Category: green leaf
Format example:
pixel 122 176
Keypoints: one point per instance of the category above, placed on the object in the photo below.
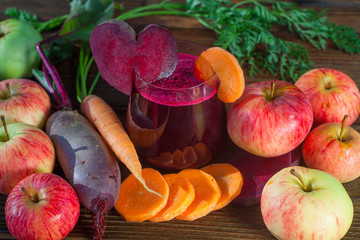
pixel 345 38
pixel 39 75
pixel 83 17
pixel 59 52
pixel 33 20
pixel 22 16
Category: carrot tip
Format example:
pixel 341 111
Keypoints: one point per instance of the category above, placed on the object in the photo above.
pixel 150 190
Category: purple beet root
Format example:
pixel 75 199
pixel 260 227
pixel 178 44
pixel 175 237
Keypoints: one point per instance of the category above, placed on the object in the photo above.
pixel 257 171
pixel 117 52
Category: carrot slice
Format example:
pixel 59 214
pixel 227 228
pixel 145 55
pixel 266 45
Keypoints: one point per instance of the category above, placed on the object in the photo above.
pixel 207 193
pixel 190 157
pixel 102 116
pixel 164 159
pixel 178 158
pixel 181 195
pixel 143 137
pixel 229 179
pixel 137 204
pixel 203 154
pixel 226 67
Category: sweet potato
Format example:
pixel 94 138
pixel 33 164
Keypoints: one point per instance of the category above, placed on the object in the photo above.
pixel 88 163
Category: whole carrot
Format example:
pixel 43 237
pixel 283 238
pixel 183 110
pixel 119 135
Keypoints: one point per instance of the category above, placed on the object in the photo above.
pixel 102 116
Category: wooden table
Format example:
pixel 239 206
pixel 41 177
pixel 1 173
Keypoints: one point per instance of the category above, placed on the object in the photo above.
pixel 231 222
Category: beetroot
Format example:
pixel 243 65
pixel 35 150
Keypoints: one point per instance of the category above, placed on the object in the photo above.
pixel 117 53
pixel 88 164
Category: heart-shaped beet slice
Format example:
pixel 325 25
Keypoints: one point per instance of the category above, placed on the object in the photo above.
pixel 113 45
pixel 116 52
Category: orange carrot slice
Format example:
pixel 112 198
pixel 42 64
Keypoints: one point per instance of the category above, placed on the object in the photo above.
pixel 102 116
pixel 226 67
pixel 164 159
pixel 190 157
pixel 181 195
pixel 203 154
pixel 143 137
pixel 137 204
pixel 229 179
pixel 178 158
pixel 207 193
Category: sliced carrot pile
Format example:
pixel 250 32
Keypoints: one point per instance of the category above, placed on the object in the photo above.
pixel 135 203
pixel 207 194
pixel 192 156
pixel 181 195
pixel 224 64
pixel 189 195
pixel 229 179
pixel 102 116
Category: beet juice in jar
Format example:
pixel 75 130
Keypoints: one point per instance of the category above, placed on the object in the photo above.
pixel 177 122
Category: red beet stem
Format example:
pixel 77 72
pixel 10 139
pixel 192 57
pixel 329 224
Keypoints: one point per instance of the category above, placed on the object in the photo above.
pixel 49 70
pixel 99 215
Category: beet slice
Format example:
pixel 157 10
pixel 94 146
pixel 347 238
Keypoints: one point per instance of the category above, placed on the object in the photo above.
pixel 113 45
pixel 116 52
pixel 156 53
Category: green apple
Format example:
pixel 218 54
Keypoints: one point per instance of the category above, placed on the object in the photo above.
pixel 18 54
pixel 305 203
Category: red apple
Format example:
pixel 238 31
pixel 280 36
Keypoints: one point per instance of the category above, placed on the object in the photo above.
pixel 42 206
pixel 304 203
pixel 332 94
pixel 23 100
pixel 334 148
pixel 24 149
pixel 271 118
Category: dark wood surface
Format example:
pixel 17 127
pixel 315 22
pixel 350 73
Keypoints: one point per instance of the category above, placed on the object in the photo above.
pixel 230 222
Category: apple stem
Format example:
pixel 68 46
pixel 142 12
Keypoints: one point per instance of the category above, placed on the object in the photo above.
pixel 5 127
pixel 328 85
pixel 8 94
pixel 272 91
pixel 298 176
pixel 32 197
pixel 342 127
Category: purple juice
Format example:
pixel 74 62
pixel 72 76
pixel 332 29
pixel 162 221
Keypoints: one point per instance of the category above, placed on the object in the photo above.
pixel 257 171
pixel 177 122
pixel 181 88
